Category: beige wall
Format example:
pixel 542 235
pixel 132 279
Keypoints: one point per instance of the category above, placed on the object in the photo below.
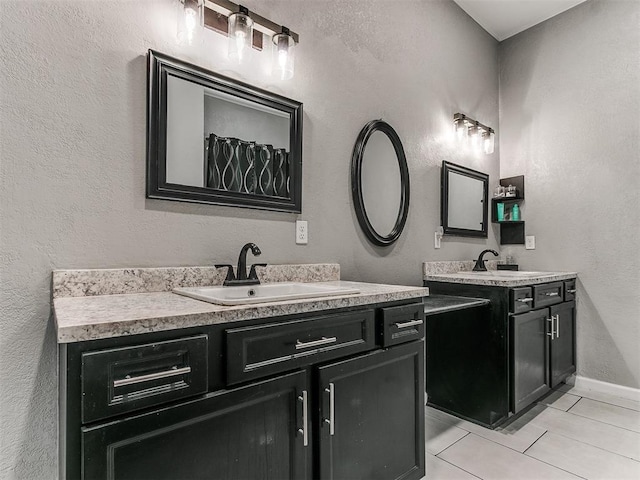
pixel 72 139
pixel 569 103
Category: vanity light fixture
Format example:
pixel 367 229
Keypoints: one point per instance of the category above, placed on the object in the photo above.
pixel 283 54
pixel 246 29
pixel 190 22
pixel 240 33
pixel 480 137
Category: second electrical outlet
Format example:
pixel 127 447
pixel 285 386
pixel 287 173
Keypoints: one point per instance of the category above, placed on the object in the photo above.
pixel 302 232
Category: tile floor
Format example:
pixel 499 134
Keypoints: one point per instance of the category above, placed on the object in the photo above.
pixel 570 434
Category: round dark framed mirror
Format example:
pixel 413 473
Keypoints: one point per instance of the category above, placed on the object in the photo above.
pixel 380 183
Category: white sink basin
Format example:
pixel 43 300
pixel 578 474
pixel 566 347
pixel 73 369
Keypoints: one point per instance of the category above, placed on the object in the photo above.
pixel 507 273
pixel 270 292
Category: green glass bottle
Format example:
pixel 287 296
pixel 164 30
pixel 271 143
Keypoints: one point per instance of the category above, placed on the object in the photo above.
pixel 515 213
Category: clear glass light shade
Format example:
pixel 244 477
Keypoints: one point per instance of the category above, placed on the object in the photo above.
pixel 460 127
pixel 474 134
pixel 284 47
pixel 190 22
pixel 240 35
pixel 488 142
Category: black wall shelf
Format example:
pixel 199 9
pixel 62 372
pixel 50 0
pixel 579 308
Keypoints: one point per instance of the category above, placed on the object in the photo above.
pixel 511 231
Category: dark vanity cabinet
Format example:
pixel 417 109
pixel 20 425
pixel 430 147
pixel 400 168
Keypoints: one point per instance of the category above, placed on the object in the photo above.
pixel 322 395
pixel 526 341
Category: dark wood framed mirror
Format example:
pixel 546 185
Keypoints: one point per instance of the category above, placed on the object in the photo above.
pixel 213 139
pixel 380 183
pixel 464 199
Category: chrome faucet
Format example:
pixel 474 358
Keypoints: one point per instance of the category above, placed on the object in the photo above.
pixel 479 266
pixel 241 277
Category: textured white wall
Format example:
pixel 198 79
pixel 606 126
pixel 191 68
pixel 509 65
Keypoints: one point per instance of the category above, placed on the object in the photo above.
pixel 72 139
pixel 569 103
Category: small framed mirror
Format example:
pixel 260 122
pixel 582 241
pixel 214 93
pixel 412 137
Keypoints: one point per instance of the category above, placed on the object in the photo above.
pixel 464 198
pixel 213 139
pixel 380 183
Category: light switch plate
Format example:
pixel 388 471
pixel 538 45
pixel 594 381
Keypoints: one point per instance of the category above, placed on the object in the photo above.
pixel 530 242
pixel 302 232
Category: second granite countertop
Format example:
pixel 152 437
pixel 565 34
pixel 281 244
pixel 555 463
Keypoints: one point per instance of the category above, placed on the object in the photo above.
pixel 500 278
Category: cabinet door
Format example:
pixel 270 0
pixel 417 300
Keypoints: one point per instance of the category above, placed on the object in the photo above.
pixel 563 350
pixel 372 416
pixel 529 358
pixel 246 433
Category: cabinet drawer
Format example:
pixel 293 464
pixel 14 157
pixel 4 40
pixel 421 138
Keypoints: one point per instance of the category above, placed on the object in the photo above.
pixel 520 300
pixel 125 379
pixel 569 290
pixel 547 294
pixel 265 349
pixel 402 324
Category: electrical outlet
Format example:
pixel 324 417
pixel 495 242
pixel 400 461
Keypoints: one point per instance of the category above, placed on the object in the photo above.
pixel 302 232
pixel 530 242
pixel 437 239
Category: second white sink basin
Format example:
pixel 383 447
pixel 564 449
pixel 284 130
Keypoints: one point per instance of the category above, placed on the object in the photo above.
pixel 270 292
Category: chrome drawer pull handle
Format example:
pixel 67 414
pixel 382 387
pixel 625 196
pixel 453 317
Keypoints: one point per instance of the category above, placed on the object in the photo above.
pixel 409 324
pixel 552 332
pixel 315 343
pixel 552 294
pixel 332 408
pixel 558 326
pixel 305 418
pixel 151 376
pixel 524 299
pixel 571 290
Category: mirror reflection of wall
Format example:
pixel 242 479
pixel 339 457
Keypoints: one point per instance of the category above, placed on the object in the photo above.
pixel 465 202
pixel 381 183
pixel 228 117
pixel 185 124
pixel 195 111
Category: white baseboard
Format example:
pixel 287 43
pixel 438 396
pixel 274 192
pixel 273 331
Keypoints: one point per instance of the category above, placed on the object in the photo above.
pixel 585 383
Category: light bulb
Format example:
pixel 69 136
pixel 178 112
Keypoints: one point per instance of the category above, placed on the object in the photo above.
pixel 283 54
pixel 240 34
pixel 240 44
pixel 189 24
pixel 460 127
pixel 489 141
pixel 282 58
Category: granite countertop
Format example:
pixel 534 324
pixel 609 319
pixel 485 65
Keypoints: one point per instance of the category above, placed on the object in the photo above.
pixel 91 317
pixel 435 304
pixel 500 278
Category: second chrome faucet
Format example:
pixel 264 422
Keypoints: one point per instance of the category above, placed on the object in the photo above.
pixel 241 277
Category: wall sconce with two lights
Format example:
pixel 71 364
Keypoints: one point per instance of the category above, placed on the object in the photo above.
pixel 244 29
pixel 479 136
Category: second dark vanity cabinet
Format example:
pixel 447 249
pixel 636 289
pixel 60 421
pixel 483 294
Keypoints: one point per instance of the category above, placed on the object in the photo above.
pixel 527 343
